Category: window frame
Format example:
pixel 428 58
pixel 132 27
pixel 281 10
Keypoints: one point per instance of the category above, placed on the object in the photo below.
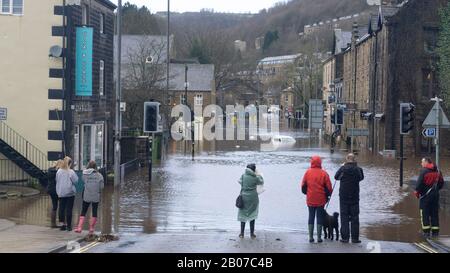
pixel 183 99
pixel 11 8
pixel 84 15
pixel 197 96
pixel 101 78
pixel 102 23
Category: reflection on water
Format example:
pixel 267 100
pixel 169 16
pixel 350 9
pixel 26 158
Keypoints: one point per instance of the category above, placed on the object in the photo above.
pixel 199 195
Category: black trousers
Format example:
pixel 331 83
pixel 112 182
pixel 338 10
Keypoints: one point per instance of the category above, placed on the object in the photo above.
pixel 252 227
pixel 86 207
pixel 65 210
pixel 316 212
pixel 55 200
pixel 349 221
pixel 429 212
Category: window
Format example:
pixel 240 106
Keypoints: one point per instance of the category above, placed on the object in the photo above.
pixel 182 99
pixel 101 78
pixel 6 6
pixel 11 7
pixel 199 99
pixel 84 15
pixel 430 40
pixel 430 85
pixel 102 23
pixel 92 140
pixel 76 148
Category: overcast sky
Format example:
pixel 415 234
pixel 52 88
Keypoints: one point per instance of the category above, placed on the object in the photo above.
pixel 252 6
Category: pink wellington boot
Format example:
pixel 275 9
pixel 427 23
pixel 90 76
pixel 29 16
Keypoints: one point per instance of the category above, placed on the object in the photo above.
pixel 80 224
pixel 92 225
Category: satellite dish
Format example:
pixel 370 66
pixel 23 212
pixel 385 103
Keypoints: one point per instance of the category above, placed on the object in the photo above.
pixel 149 60
pixel 55 51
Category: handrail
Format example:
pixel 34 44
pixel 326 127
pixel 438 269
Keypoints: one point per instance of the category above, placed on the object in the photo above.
pixel 23 146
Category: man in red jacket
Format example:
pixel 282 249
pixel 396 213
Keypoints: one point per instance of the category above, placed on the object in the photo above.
pixel 429 183
pixel 316 185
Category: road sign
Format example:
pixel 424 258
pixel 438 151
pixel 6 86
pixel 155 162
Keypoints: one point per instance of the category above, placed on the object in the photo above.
pixel 431 120
pixel 429 132
pixel 3 113
pixel 315 114
pixel 341 106
pixel 355 132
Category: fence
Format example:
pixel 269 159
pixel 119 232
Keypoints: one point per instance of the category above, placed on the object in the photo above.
pixel 128 167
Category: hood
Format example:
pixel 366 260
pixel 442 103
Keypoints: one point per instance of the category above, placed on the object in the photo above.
pixel 249 171
pixel 316 162
pixel 88 171
pixel 431 166
pixel 52 170
pixel 350 164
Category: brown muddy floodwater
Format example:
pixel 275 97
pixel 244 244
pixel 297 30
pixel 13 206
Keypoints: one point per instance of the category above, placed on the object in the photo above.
pixel 190 195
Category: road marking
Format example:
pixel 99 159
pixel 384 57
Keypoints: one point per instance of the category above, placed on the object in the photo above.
pixel 90 246
pixel 425 248
pixel 85 248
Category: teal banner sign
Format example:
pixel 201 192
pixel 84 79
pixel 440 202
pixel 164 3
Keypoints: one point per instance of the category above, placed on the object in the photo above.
pixel 83 61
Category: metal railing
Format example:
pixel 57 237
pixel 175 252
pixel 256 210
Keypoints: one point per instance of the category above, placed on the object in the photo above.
pixel 128 167
pixel 11 173
pixel 23 146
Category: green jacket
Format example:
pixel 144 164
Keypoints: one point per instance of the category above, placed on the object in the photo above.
pixel 249 180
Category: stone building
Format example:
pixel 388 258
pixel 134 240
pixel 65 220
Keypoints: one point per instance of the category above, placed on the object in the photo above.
pixel 394 62
pixel 404 47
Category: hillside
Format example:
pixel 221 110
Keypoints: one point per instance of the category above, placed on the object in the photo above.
pixel 287 19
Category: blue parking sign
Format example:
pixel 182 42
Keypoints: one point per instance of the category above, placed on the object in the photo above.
pixel 429 132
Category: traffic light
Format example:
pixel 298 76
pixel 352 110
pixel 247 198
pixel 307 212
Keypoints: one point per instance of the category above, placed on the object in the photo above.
pixel 151 117
pixel 406 118
pixel 339 116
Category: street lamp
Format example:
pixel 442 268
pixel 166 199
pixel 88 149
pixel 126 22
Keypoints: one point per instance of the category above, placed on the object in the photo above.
pixel 118 98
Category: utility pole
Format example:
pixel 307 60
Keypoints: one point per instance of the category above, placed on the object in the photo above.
pixel 438 121
pixel 185 103
pixel 118 133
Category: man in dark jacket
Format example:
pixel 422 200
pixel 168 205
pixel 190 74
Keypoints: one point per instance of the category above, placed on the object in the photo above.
pixel 350 175
pixel 429 183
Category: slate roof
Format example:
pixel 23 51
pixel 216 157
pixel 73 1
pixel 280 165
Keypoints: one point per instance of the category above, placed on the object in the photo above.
pixel 131 44
pixel 200 77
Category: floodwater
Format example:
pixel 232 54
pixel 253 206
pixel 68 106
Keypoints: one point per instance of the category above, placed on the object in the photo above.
pixel 199 194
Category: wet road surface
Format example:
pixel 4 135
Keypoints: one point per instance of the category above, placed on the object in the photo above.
pixel 198 196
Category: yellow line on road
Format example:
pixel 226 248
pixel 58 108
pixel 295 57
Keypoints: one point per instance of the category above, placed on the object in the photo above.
pixel 89 246
pixel 426 248
pixel 85 248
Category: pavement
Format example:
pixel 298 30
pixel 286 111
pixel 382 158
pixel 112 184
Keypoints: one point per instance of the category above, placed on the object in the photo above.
pixel 33 239
pixel 228 242
pixel 442 243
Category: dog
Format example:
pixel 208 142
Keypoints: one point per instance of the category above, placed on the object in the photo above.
pixel 331 223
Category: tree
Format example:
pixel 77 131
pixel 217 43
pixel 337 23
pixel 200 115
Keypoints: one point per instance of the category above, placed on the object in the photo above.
pixel 139 21
pixel 269 38
pixel 143 78
pixel 209 46
pixel 444 53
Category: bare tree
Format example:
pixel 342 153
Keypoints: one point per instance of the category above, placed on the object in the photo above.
pixel 143 77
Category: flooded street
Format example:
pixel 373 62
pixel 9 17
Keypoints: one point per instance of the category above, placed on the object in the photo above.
pixel 199 195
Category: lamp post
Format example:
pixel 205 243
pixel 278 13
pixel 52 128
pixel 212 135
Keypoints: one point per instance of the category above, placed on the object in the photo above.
pixel 118 98
pixel 185 103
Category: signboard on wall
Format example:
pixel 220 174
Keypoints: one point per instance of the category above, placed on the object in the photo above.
pixel 315 114
pixel 3 113
pixel 83 61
